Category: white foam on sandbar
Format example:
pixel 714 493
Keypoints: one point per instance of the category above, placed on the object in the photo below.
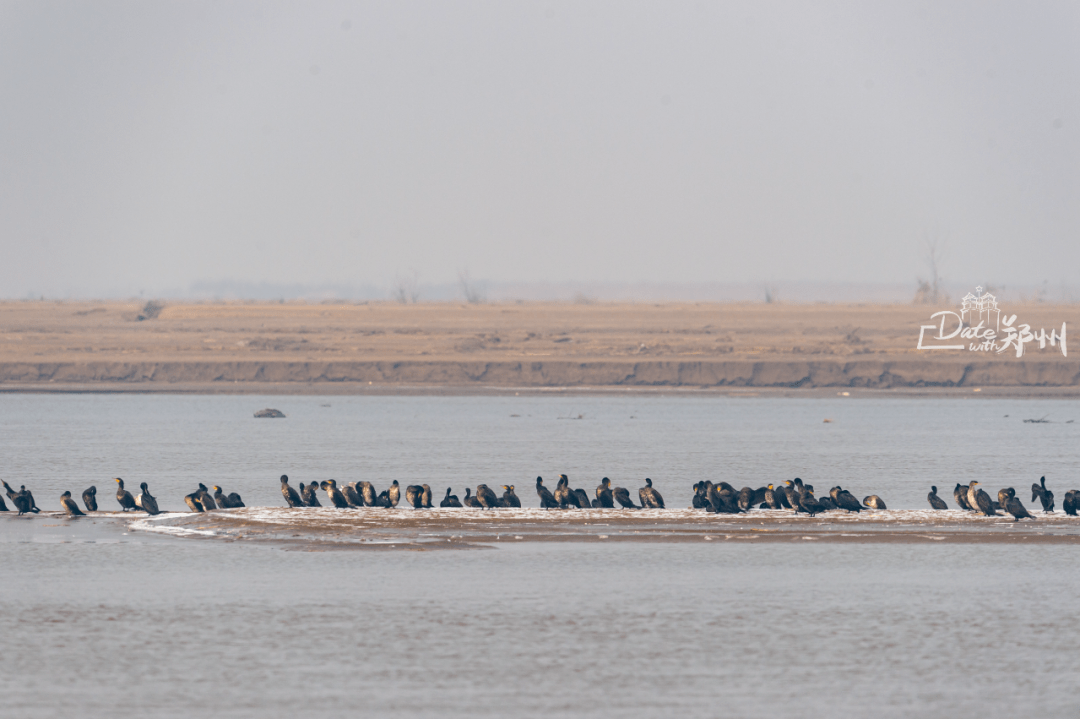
pixel 162 524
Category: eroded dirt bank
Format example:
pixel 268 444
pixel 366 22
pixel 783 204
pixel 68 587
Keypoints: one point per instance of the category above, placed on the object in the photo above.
pixel 345 348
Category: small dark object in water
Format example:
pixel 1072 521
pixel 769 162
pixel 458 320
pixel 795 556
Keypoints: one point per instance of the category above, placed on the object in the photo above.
pixel 935 501
pixel 270 414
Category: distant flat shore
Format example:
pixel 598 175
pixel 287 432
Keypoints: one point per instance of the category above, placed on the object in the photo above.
pixel 288 348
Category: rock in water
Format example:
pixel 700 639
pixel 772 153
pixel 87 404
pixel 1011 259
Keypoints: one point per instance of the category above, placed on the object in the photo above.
pixel 272 413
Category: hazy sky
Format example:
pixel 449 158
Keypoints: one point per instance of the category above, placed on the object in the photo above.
pixel 150 145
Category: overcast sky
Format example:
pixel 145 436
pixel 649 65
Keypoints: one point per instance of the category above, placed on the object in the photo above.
pixel 152 145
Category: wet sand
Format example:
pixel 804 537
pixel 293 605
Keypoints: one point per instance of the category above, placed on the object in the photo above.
pixel 385 347
pixel 403 529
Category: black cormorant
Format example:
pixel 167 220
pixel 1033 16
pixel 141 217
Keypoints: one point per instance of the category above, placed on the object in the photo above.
pixel 935 501
pixel 335 495
pixel 310 494
pixel 874 502
pixel 771 499
pixel 146 502
pixel 394 493
pixel 206 498
pixel 604 498
pixel 563 494
pixel 450 500
pixel 351 495
pixel 69 504
pixel 960 494
pixel 89 498
pixel 1013 506
pixel 547 499
pixel 425 496
pixel 194 502
pixel 123 496
pixel 649 497
pixel 791 494
pixel 746 499
pixel 1071 502
pixel 622 496
pixel 808 503
pixel 487 498
pixel 1046 497
pixel 510 498
pixel 471 501
pixel 367 493
pixel 981 500
pixel 583 501
pixel 413 496
pixel 292 497
pixel 844 499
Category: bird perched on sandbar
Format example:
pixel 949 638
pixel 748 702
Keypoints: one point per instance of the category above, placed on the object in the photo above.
pixel 935 501
pixel 89 498
pixel 70 506
pixel 649 497
pixel 450 500
pixel 123 496
pixel 146 502
pixel 874 502
pixel 980 500
pixel 547 499
pixel 292 497
pixel 509 498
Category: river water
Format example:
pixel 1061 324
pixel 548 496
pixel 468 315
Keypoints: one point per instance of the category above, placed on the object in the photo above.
pixel 103 621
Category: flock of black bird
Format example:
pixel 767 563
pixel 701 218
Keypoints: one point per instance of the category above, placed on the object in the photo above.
pixel 719 498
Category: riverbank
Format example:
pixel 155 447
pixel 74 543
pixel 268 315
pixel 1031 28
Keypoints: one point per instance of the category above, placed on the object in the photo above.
pixel 358 348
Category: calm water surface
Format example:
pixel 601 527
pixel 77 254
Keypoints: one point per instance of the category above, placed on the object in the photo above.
pixel 105 624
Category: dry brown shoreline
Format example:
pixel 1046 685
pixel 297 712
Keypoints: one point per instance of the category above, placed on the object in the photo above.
pixel 384 347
